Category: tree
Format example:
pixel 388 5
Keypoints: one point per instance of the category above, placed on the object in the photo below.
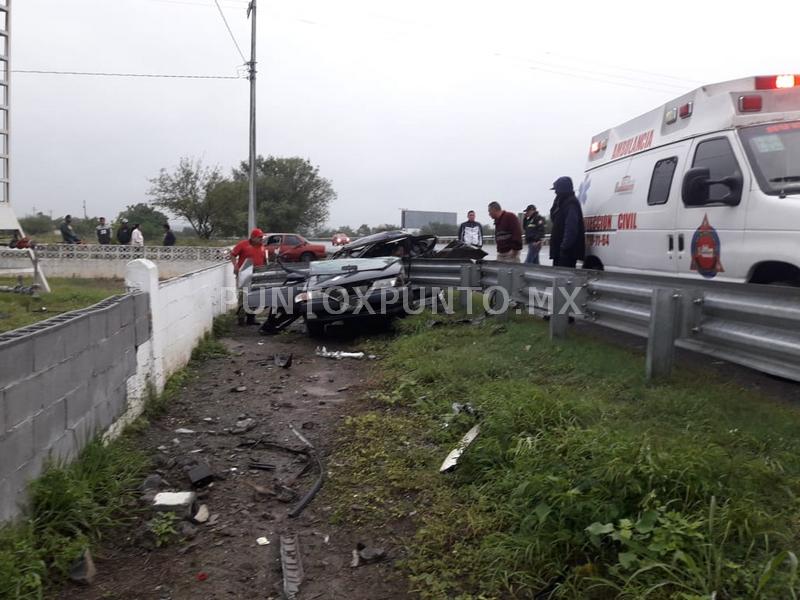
pixel 185 193
pixel 290 193
pixel 150 220
pixel 37 224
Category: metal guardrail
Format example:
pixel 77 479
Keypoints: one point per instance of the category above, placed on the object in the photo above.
pixel 115 252
pixel 752 325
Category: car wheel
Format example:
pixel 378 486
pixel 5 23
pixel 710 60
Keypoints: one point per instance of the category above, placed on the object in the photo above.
pixel 315 329
pixel 307 257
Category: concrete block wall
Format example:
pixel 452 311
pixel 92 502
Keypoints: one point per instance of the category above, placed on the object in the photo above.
pixel 62 381
pixel 113 268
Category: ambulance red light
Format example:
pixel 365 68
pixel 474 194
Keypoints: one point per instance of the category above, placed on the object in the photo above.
pixel 685 111
pixel 777 82
pixel 595 148
pixel 750 103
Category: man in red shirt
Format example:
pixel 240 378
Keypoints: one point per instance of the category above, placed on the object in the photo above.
pixel 252 249
pixel 507 233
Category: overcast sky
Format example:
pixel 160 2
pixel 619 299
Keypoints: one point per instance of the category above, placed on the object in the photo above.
pixel 437 105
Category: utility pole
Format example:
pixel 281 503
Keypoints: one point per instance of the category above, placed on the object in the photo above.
pixel 251 210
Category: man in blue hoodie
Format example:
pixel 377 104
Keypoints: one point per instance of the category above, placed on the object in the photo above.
pixel 568 237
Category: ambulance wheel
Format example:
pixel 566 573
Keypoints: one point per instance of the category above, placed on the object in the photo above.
pixel 315 329
pixel 306 257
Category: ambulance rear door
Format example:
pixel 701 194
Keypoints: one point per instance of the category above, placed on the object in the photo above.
pixel 711 217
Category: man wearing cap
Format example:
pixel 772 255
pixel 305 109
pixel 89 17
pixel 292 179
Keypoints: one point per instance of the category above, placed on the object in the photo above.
pixel 507 233
pixel 250 249
pixel 124 233
pixel 567 239
pixel 533 228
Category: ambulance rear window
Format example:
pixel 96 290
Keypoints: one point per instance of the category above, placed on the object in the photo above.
pixel 661 182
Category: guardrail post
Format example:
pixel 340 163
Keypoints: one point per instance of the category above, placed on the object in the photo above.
pixel 662 332
pixel 500 302
pixel 559 319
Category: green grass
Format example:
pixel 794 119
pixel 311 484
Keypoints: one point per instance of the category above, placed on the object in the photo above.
pixel 584 482
pixel 67 294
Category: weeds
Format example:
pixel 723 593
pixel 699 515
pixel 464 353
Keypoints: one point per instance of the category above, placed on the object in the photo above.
pixel 585 483
pixel 162 527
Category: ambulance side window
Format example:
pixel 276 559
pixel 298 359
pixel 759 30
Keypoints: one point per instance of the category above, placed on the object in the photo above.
pixel 661 181
pixel 717 156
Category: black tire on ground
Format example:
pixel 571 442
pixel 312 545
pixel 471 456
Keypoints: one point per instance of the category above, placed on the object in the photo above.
pixel 307 257
pixel 315 329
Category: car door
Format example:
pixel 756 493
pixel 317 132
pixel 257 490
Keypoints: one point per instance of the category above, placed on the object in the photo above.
pixel 710 236
pixel 290 248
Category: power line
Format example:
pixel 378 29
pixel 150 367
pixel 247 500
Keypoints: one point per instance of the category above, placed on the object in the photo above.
pixel 101 74
pixel 228 27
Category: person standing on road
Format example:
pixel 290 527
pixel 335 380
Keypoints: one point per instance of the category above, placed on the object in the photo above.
pixel 507 233
pixel 67 233
pixel 103 232
pixel 254 250
pixel 124 233
pixel 471 232
pixel 567 240
pixel 137 239
pixel 533 227
pixel 169 237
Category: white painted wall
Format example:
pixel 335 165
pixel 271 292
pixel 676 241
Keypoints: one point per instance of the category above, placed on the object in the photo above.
pixel 182 311
pixel 112 268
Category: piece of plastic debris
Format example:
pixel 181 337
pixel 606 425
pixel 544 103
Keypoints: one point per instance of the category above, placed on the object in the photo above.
pixel 209 420
pixel 306 500
pixel 344 388
pixel 239 388
pixel 201 475
pixel 201 516
pixel 262 541
pixel 452 459
pixel 338 355
pixel 243 426
pixel 202 576
pixel 291 565
pixel 83 570
pixel 185 431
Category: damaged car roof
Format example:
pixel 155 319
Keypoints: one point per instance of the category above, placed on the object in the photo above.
pixel 375 244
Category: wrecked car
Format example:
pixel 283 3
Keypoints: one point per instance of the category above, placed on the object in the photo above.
pixel 366 280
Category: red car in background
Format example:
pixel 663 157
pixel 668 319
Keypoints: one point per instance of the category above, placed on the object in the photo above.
pixel 340 239
pixel 292 247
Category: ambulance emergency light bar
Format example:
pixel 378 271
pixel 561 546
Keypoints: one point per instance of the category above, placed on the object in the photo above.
pixel 777 82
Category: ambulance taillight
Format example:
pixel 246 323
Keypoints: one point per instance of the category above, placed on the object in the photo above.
pixel 777 82
pixel 752 103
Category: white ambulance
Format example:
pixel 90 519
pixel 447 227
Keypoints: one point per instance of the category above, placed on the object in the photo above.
pixel 706 186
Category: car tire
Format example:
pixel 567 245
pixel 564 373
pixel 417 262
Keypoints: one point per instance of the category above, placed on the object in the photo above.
pixel 315 329
pixel 307 257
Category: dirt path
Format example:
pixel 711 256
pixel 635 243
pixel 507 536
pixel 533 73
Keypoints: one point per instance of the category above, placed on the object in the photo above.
pixel 222 559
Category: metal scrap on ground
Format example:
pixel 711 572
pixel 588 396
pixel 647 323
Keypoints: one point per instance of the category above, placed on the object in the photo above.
pixel 283 361
pixel 339 354
pixel 306 500
pixel 291 565
pixel 452 459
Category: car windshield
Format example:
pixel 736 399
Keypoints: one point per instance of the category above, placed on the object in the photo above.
pixel 350 265
pixel 774 153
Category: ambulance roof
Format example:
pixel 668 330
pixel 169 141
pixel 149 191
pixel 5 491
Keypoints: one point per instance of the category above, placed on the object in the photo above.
pixel 716 107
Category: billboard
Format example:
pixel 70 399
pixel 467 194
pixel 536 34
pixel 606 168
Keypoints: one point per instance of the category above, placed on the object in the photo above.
pixel 417 219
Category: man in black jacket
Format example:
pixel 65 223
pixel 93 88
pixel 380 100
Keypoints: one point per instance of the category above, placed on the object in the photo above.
pixel 470 231
pixel 567 239
pixel 533 228
pixel 124 233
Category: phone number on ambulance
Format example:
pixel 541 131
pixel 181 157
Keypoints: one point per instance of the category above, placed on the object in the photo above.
pixel 597 239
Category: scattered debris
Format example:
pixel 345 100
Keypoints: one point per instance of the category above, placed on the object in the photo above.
pixel 452 459
pixel 243 426
pixel 283 361
pixel 528 348
pixel 239 388
pixel 466 407
pixel 185 431
pixel 201 516
pixel 308 425
pixel 291 565
pixel 338 355
pixel 152 482
pixel 213 519
pixel 262 541
pixel 201 576
pixel 261 466
pixel 208 420
pixel 83 570
pixel 306 500
pixel 178 502
pixel 344 388
pixel 201 475
pixel 365 555
pixel 260 491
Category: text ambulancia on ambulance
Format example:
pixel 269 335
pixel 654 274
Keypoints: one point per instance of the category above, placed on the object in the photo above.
pixel 706 186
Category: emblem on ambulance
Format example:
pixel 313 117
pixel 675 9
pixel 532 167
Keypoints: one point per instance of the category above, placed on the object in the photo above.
pixel 706 250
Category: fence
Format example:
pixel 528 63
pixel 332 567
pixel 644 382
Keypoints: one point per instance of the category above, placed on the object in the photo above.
pixel 751 325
